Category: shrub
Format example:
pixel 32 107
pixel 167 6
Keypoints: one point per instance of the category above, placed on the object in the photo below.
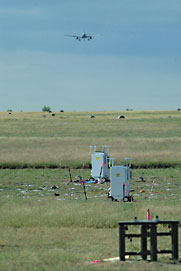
pixel 46 109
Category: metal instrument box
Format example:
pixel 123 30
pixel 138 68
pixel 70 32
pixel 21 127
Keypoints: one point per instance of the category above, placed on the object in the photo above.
pixel 119 182
pixel 99 163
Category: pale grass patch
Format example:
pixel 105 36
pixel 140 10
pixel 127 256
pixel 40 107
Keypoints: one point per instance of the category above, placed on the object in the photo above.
pixel 83 214
pixel 64 140
pixel 64 150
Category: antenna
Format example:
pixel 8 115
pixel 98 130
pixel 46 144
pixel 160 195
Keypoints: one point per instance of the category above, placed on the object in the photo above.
pixel 128 161
pixel 106 148
pixel 92 149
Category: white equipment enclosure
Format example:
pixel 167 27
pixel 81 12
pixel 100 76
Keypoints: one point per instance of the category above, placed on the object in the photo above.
pixel 119 181
pixel 99 163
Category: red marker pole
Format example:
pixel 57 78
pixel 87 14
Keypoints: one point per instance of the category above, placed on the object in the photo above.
pixel 131 199
pixel 148 214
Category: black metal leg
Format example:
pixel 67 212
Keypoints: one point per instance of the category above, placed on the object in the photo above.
pixel 121 243
pixel 175 241
pixel 144 242
pixel 153 242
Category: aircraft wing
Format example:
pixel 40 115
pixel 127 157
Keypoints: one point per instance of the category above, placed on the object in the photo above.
pixel 74 36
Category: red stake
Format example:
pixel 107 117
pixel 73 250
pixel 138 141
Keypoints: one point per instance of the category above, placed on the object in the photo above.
pixel 148 214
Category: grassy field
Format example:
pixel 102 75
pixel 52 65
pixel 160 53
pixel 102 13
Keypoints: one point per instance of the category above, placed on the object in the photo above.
pixel 44 232
pixel 41 231
pixel 41 140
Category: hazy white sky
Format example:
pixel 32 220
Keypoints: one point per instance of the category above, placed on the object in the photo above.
pixel 134 63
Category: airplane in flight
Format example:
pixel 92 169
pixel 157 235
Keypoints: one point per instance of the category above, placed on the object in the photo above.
pixel 84 36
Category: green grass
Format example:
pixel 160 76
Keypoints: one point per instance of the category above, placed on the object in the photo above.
pixel 40 140
pixel 40 231
pixel 44 232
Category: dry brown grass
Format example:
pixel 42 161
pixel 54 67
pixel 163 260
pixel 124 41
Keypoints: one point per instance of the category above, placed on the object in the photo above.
pixel 40 139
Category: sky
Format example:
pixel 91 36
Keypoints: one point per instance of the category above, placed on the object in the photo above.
pixel 132 62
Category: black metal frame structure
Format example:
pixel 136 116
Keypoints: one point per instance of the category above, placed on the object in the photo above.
pixel 148 228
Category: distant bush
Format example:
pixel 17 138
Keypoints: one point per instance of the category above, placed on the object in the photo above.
pixel 121 117
pixel 46 109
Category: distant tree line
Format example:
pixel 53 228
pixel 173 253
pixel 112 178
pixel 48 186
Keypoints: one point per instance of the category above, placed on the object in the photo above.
pixel 46 109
